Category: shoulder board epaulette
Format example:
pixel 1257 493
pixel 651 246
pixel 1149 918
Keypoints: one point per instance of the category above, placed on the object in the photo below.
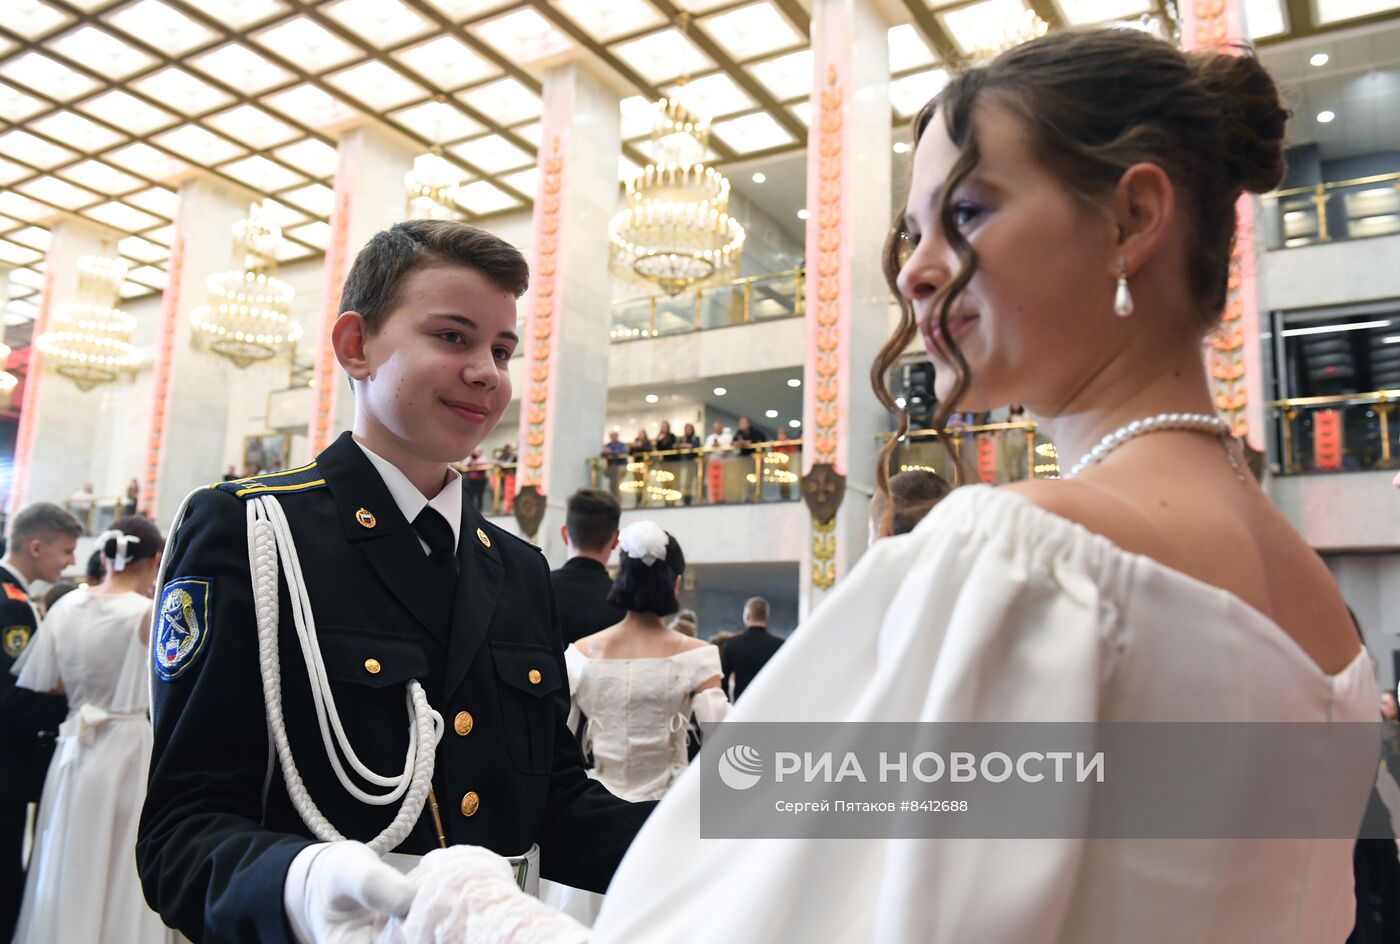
pixel 304 479
pixel 497 530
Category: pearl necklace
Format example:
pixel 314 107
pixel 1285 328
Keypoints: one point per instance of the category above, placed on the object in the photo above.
pixel 1195 422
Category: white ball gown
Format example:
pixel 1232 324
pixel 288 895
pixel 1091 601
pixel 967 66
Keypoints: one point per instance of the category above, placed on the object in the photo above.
pixel 82 886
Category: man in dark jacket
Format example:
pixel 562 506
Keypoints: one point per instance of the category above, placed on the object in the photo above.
pixel 742 656
pixel 581 586
pixel 42 538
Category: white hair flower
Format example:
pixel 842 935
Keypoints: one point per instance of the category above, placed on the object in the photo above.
pixel 643 540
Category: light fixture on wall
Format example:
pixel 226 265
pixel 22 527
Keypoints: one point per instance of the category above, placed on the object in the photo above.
pixel 248 317
pixel 675 231
pixel 89 341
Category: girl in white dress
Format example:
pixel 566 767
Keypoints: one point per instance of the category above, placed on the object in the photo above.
pixel 82 886
pixel 1065 245
pixel 637 683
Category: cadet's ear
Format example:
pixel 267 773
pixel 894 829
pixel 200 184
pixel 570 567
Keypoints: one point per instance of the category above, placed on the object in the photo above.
pixel 348 336
pixel 564 534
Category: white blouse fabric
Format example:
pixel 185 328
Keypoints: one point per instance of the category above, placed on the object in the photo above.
pixel 637 712
pixel 994 609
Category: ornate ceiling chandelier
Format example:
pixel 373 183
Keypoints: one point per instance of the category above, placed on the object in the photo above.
pixel 1007 33
pixel 431 186
pixel 89 341
pixel 675 231
pixel 248 317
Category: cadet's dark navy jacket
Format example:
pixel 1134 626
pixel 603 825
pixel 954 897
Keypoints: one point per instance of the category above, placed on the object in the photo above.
pixel 28 720
pixel 218 830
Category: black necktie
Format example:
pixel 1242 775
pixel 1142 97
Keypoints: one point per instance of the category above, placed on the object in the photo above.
pixel 433 528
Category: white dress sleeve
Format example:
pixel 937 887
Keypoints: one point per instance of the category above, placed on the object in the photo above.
pixel 37 666
pixel 574 662
pixel 991 610
pixel 703 664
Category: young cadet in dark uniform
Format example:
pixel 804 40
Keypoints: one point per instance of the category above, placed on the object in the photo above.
pixel 42 538
pixel 409 617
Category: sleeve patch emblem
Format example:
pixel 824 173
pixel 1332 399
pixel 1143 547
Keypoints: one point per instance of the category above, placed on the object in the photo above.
pixel 182 626
pixel 16 638
pixel 15 593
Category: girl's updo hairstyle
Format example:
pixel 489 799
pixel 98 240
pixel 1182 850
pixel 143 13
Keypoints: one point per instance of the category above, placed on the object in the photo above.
pixel 150 542
pixel 642 587
pixel 1096 102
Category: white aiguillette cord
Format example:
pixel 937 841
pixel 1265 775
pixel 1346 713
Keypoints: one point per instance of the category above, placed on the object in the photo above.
pixel 270 537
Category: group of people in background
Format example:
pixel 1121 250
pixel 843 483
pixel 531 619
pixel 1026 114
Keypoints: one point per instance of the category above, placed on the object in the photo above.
pixel 726 468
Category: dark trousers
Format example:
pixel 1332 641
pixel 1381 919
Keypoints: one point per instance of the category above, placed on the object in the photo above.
pixel 12 817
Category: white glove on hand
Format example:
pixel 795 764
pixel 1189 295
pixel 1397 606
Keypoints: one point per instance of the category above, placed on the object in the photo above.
pixel 335 891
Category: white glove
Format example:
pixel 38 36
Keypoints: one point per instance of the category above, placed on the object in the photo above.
pixel 335 891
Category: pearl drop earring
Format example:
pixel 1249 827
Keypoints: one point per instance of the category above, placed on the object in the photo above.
pixel 1122 299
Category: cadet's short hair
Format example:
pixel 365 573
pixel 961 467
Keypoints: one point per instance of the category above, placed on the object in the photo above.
pixel 42 520
pixel 376 279
pixel 591 519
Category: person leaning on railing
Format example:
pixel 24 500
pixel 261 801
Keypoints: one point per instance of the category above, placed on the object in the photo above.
pixel 686 465
pixel 665 443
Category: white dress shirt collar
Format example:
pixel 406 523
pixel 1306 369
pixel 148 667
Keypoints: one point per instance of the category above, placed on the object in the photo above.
pixel 447 502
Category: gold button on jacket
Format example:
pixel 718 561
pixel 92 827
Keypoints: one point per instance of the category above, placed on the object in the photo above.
pixel 372 666
pixel 462 724
pixel 470 803
pixel 535 676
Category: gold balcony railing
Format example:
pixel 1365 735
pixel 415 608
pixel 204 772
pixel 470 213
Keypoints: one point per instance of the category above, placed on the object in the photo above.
pixel 1332 211
pixel 721 475
pixel 991 452
pixel 1344 433
pixel 738 302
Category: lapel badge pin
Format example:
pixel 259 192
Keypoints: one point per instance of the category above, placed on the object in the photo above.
pixel 481 536
pixel 365 518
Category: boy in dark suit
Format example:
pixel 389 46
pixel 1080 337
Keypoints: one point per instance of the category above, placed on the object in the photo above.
pixel 582 585
pixel 378 602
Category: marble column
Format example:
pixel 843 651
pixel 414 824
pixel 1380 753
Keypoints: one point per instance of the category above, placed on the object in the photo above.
pixel 189 409
pixel 1233 353
pixel 369 197
pixel 848 196
pixel 58 421
pixel 563 383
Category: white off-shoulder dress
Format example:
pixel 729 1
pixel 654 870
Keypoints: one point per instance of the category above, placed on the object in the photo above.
pixel 637 711
pixel 994 609
pixel 82 886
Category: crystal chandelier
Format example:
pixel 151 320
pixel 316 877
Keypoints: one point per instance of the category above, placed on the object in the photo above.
pixel 89 341
pixel 248 317
pixel 675 231
pixel 431 186
pixel 1012 31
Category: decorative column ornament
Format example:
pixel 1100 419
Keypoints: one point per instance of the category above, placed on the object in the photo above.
pixel 539 339
pixel 163 372
pixel 326 377
pixel 824 486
